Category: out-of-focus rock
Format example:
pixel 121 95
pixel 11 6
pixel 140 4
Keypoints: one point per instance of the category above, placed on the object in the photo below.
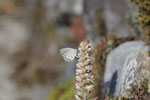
pixel 115 61
pixel 115 17
pixel 55 8
pixel 136 68
pixel 13 35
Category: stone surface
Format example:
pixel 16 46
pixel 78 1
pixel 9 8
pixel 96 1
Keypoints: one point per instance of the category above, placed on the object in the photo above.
pixel 115 61
pixel 55 8
pixel 115 17
pixel 13 36
pixel 136 68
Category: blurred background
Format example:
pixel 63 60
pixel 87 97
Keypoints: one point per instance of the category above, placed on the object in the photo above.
pixel 33 31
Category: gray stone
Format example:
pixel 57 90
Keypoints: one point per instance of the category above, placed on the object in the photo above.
pixel 136 68
pixel 13 37
pixel 114 65
pixel 116 17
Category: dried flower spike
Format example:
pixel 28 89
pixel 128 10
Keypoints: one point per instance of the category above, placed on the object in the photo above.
pixel 84 78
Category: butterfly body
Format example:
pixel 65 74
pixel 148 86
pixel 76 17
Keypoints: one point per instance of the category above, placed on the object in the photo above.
pixel 68 54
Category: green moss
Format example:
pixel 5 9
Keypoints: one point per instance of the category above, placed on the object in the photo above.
pixel 143 17
pixel 140 92
pixel 63 92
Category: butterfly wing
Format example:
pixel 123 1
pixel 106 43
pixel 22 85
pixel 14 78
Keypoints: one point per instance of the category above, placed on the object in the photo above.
pixel 71 54
pixel 68 54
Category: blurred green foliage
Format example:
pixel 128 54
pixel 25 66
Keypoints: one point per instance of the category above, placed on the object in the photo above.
pixel 63 92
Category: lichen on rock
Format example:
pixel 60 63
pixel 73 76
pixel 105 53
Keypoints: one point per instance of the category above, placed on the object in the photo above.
pixel 136 68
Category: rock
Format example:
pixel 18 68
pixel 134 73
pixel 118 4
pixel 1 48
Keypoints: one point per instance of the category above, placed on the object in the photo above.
pixel 115 19
pixel 136 68
pixel 13 35
pixel 113 78
pixel 55 8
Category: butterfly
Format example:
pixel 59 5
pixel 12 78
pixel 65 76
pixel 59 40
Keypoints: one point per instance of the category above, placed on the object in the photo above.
pixel 68 54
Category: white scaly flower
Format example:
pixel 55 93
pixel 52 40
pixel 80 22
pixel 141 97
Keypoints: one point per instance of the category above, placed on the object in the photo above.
pixel 84 78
